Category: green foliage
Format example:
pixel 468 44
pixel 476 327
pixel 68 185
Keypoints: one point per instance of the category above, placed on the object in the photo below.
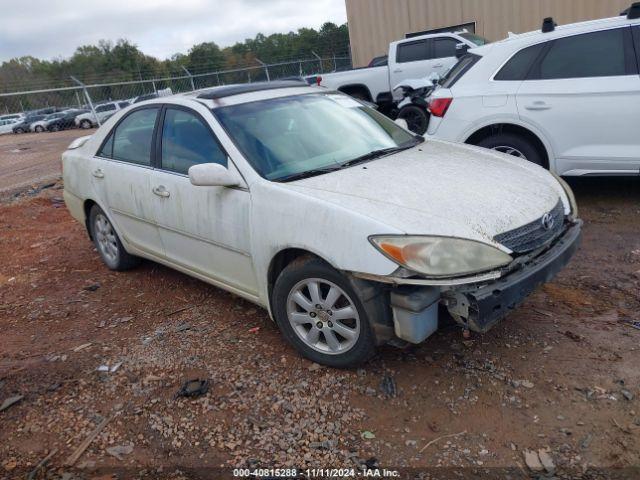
pixel 123 61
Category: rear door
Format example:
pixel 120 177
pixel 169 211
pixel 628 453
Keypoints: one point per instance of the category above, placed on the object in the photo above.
pixel 121 174
pixel 583 93
pixel 205 229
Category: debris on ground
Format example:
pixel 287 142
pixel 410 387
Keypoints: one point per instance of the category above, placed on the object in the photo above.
pixel 77 453
pixel 388 386
pixel 9 402
pixel 119 450
pixel 193 388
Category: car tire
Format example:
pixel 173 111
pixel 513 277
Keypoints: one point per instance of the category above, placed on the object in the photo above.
pixel 85 124
pixel 19 130
pixel 54 128
pixel 514 145
pixel 108 243
pixel 416 118
pixel 39 129
pixel 310 321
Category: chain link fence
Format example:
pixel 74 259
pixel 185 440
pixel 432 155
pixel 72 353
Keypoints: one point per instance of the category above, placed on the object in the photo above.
pixel 89 96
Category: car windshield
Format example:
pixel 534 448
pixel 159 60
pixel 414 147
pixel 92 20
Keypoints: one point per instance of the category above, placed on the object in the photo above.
pixel 477 39
pixel 286 138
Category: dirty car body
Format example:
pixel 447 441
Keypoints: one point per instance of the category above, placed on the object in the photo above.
pixel 350 230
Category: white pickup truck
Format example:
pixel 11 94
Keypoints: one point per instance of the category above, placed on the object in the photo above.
pixel 414 57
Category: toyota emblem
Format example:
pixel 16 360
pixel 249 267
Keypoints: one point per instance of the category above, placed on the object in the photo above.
pixel 548 221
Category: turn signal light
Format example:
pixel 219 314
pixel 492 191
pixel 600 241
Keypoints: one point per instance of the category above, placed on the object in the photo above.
pixel 439 106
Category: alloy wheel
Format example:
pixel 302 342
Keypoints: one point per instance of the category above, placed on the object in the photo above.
pixel 106 239
pixel 323 316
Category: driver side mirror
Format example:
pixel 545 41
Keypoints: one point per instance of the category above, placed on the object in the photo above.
pixel 213 175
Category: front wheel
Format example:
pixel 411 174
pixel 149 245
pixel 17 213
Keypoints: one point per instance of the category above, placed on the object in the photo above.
pixel 416 118
pixel 514 145
pixel 54 128
pixel 107 242
pixel 39 129
pixel 321 315
pixel 85 124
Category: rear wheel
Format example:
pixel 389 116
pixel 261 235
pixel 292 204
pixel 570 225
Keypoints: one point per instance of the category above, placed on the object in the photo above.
pixel 321 315
pixel 54 128
pixel 39 129
pixel 19 130
pixel 85 124
pixel 107 242
pixel 416 118
pixel 514 145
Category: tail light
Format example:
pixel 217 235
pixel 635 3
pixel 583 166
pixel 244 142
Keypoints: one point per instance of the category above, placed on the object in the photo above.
pixel 318 80
pixel 439 106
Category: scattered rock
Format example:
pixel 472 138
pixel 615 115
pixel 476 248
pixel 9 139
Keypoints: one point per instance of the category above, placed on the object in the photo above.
pixel 547 461
pixel 91 288
pixel 9 402
pixel 533 461
pixel 627 394
pixel 119 450
pixel 367 435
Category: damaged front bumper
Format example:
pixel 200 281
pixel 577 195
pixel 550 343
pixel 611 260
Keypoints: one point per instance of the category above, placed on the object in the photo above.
pixel 480 306
pixel 478 303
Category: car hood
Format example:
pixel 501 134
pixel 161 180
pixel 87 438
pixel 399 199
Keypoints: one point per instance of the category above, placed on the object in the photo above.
pixel 441 188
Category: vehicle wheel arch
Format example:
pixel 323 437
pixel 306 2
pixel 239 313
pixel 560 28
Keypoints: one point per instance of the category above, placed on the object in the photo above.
pixel 513 128
pixel 357 88
pixel 87 206
pixel 282 259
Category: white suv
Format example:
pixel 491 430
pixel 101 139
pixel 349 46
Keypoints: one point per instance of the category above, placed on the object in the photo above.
pixel 566 98
pixel 103 112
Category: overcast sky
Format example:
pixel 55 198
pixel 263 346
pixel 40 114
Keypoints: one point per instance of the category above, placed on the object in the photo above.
pixel 54 28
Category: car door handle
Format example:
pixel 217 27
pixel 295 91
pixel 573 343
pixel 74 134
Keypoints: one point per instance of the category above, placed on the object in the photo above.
pixel 538 106
pixel 161 191
pixel 397 70
pixel 438 65
pixel 98 173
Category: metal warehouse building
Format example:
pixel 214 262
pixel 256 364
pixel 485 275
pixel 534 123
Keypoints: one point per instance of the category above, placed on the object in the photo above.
pixel 375 23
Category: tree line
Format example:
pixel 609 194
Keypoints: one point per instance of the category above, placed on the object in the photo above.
pixel 123 61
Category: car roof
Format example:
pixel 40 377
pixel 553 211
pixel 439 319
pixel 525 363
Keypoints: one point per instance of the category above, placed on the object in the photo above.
pixel 244 93
pixel 537 36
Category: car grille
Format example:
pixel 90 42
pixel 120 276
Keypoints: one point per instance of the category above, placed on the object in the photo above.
pixel 535 234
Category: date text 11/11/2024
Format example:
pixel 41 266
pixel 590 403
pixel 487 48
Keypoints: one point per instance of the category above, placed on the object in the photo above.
pixel 364 472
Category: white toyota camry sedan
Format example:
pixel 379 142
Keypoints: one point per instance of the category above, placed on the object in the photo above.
pixel 349 229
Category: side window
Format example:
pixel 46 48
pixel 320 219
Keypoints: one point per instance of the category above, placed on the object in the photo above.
pixel 445 47
pixel 520 64
pixel 187 141
pixel 412 51
pixel 131 140
pixel 105 108
pixel 599 54
pixel 123 104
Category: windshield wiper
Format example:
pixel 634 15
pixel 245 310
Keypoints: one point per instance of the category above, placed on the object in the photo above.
pixel 379 153
pixel 339 166
pixel 308 173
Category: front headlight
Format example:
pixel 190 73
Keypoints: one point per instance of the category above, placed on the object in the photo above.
pixel 440 256
pixel 572 198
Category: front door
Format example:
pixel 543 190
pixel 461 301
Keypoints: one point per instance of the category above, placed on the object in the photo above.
pixel 584 94
pixel 122 172
pixel 205 229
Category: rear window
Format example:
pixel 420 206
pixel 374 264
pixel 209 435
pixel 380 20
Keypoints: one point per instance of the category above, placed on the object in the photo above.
pixel 459 69
pixel 518 67
pixel 598 54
